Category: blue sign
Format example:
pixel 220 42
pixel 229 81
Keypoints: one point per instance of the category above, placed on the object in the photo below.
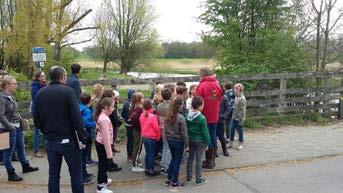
pixel 38 50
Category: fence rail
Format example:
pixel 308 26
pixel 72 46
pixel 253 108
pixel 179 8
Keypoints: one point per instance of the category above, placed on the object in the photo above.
pixel 283 101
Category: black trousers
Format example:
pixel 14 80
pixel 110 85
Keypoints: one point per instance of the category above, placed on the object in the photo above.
pixel 102 165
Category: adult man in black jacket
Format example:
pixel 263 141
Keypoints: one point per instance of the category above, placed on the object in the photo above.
pixel 57 114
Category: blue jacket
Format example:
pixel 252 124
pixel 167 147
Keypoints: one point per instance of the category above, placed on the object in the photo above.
pixel 88 120
pixel 35 87
pixel 226 106
pixel 126 107
pixel 73 82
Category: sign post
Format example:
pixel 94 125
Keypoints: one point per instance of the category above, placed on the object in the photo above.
pixel 38 56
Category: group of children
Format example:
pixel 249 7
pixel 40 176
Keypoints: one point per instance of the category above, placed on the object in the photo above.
pixel 168 125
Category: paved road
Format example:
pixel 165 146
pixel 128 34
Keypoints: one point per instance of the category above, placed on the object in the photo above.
pixel 312 176
pixel 261 147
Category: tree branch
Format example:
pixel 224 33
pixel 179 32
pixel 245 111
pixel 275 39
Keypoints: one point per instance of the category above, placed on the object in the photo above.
pixel 74 43
pixel 74 22
pixel 81 29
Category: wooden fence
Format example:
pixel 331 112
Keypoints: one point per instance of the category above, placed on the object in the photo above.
pixel 275 95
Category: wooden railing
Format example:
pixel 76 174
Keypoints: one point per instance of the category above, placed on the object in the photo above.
pixel 277 101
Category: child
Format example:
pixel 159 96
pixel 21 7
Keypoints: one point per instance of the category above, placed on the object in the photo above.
pixel 176 132
pixel 199 139
pixel 161 111
pixel 134 114
pixel 192 91
pixel 181 91
pixel 224 111
pixel 104 140
pixel 128 126
pixel 238 117
pixel 151 133
pixel 157 99
pixel 230 95
pixel 90 125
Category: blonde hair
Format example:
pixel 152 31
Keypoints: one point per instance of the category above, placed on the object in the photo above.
pixel 159 89
pixel 4 80
pixel 136 100
pixel 240 85
pixel 98 90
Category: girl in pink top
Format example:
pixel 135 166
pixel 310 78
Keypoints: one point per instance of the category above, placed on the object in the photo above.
pixel 151 133
pixel 103 142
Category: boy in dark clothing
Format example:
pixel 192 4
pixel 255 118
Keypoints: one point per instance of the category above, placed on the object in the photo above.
pixel 230 97
pixel 128 126
pixel 199 139
pixel 73 80
pixel 90 125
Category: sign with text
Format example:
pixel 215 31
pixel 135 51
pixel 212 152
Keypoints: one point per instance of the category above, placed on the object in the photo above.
pixel 38 54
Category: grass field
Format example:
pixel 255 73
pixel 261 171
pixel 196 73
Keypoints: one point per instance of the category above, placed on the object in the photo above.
pixel 181 66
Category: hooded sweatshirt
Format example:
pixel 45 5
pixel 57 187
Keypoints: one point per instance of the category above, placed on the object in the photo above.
pixel 211 92
pixel 126 106
pixel 197 127
pixel 88 120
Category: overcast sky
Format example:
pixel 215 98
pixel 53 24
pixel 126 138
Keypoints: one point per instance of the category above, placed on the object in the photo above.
pixel 176 19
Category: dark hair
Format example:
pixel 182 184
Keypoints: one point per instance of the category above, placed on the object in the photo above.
pixel 114 86
pixel 181 90
pixel 166 94
pixel 107 93
pixel 147 105
pixel 75 68
pixel 107 101
pixel 191 88
pixel 85 98
pixel 181 83
pixel 173 109
pixel 197 101
pixel 38 74
pixel 56 73
pixel 171 87
pixel 228 85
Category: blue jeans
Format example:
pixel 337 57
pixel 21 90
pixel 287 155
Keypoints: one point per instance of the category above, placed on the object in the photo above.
pixel 212 129
pixel 150 148
pixel 72 155
pixel 235 126
pixel 176 150
pixel 228 128
pixel 36 137
pixel 129 142
pixel 16 142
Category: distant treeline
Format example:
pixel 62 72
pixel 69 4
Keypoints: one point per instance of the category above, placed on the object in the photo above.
pixel 176 50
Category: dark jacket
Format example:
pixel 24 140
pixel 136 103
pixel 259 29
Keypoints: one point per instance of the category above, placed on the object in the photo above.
pixel 35 87
pixel 57 113
pixel 177 131
pixel 226 106
pixel 88 121
pixel 126 106
pixel 116 122
pixel 73 82
pixel 134 118
pixel 9 114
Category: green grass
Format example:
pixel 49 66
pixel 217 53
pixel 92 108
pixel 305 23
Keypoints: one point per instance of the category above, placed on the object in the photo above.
pixel 96 73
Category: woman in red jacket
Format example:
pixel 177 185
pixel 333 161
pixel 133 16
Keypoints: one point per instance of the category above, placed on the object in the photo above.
pixel 209 89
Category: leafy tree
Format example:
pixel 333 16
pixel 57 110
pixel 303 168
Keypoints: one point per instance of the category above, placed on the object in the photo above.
pixel 254 36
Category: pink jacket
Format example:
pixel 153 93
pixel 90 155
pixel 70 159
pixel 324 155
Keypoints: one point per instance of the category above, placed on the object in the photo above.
pixel 149 125
pixel 105 132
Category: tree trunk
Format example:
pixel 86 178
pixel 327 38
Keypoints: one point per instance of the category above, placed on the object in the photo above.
pixel 105 67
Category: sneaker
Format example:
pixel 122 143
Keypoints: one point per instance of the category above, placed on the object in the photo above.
pixel 88 175
pixel 152 174
pixel 91 163
pixel 104 190
pixel 114 168
pixel 178 185
pixel 189 179
pixel 38 155
pixel 168 183
pixel 240 147
pixel 164 171
pixel 88 181
pixel 230 145
pixel 200 182
pixel 137 169
pixel 109 181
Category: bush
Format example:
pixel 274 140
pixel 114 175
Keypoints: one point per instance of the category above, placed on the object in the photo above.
pixel 316 117
pixel 252 124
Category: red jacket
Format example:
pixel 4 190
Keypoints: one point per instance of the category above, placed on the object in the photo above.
pixel 210 90
pixel 149 125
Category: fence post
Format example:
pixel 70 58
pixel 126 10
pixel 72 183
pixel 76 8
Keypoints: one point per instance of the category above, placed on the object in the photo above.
pixel 327 86
pixel 341 102
pixel 282 97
